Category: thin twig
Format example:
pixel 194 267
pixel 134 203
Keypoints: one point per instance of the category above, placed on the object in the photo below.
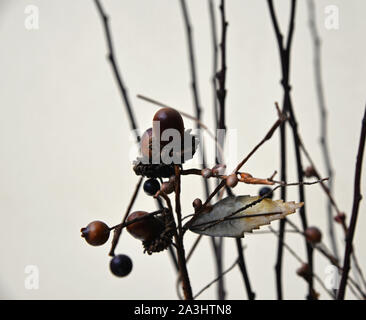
pixel 356 202
pixel 198 111
pixel 118 77
pixel 327 254
pixel 118 230
pixel 186 285
pixel 222 183
pixel 214 58
pixel 297 257
pixel 117 74
pixel 216 279
pixel 288 108
pixel 323 117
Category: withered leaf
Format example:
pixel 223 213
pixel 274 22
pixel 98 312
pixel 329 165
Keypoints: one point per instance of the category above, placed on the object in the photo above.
pixel 220 221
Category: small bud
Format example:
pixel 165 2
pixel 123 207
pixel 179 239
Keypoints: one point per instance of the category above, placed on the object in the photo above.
pixel 206 173
pixel 313 235
pixel 340 218
pixel 232 180
pixel 304 271
pixel 197 203
pixel 310 172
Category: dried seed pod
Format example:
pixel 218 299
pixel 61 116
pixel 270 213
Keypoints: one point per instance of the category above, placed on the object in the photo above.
pixel 313 235
pixel 232 180
pixel 206 173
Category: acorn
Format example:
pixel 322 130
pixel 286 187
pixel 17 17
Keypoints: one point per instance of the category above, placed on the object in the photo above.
pixel 146 229
pixel 168 118
pixel 96 233
pixel 146 144
pixel 313 235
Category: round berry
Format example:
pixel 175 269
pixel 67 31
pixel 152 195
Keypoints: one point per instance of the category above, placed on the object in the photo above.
pixel 232 180
pixel 168 118
pixel 120 265
pixel 206 173
pixel 313 235
pixel 145 144
pixel 145 229
pixel 151 187
pixel 96 233
pixel 267 192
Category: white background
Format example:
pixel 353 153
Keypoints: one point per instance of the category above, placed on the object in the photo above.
pixel 65 139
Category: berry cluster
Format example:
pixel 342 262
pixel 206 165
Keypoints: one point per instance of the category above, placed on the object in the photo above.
pixel 155 231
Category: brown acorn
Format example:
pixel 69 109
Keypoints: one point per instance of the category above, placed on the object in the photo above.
pixel 168 118
pixel 146 229
pixel 96 233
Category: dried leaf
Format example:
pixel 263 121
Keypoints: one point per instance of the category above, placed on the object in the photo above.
pixel 220 222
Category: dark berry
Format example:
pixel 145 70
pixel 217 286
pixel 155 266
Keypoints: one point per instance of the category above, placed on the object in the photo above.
pixel 120 265
pixel 263 191
pixel 151 186
pixel 313 235
pixel 144 229
pixel 96 233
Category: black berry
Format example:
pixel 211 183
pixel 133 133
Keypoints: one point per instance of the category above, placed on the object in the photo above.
pixel 263 191
pixel 120 265
pixel 151 186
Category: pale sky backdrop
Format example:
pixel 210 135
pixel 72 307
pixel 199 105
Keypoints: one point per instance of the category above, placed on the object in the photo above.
pixel 64 136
